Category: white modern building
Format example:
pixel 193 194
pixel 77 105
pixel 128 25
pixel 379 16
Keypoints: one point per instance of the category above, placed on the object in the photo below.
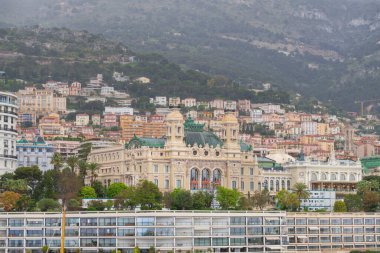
pixel 8 132
pixel 190 231
pixel 166 231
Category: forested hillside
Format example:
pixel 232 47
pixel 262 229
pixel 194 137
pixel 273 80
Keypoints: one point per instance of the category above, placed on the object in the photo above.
pixel 328 49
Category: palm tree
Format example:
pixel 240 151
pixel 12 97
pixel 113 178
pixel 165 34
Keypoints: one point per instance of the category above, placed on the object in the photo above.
pixel 57 161
pixel 82 166
pixel 72 162
pixel 300 189
pixel 92 168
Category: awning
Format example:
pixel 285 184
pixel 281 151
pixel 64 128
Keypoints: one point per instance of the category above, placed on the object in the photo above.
pixel 272 238
pixel 313 228
pixel 274 247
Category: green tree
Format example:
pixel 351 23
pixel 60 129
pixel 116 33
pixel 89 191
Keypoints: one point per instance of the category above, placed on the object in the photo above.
pixel 96 205
pixel 244 203
pixel 48 205
pixel 366 186
pixel 353 202
pixel 287 200
pixel 73 205
pixel 32 175
pixel 57 161
pixel 72 162
pixel 92 168
pixel 18 185
pixel 126 199
pixel 84 150
pixel 99 189
pixel 181 199
pixel 87 192
pixel 45 249
pixel 370 201
pixel 82 166
pixel 114 189
pixel 300 189
pixel 261 199
pixel 340 207
pixel 25 203
pixel 202 200
pixel 227 198
pixel 148 195
pixel 136 250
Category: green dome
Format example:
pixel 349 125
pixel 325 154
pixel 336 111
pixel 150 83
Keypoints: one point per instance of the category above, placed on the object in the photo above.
pixel 202 138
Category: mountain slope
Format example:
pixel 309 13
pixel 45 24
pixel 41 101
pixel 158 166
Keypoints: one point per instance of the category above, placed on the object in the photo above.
pixel 328 49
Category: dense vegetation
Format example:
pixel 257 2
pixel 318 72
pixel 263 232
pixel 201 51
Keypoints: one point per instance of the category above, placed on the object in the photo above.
pixel 327 49
pixel 43 54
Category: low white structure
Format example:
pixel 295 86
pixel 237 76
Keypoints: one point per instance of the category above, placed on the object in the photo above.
pixel 118 110
pixel 319 200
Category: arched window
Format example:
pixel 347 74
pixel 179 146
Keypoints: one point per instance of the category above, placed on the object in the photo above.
pixel 282 184
pixel 277 185
pixel 352 177
pixel 266 184
pixel 314 177
pixel 216 177
pixel 324 176
pixel 194 179
pixel 271 185
pixel 205 179
pixel 333 177
pixel 342 177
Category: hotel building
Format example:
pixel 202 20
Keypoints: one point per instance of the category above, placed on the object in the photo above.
pixel 8 132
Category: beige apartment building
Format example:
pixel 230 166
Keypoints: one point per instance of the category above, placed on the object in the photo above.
pixel 40 102
pixel 188 157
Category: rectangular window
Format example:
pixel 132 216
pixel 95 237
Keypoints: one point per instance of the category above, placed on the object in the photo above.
pixel 144 231
pixel 178 183
pixel 167 169
pixel 242 171
pixel 155 168
pixel 155 181
pixel 88 242
pixel 251 186
pixel 251 171
pixel 86 222
pixel 126 221
pixel 145 221
pixel 242 185
pixel 202 241
pixel 107 221
pixel 166 184
pixel 107 231
pixel 88 232
pixel 234 184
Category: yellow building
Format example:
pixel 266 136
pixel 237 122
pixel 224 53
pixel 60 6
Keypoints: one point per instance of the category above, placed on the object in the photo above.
pixel 188 157
pixel 323 129
pixel 130 128
pixel 40 102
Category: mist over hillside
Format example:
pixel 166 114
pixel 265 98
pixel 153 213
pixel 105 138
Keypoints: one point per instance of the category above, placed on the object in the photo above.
pixel 322 48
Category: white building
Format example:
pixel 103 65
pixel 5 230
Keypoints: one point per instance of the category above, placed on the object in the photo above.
pixel 270 108
pixel 340 176
pixel 159 100
pixel 189 102
pixel 309 127
pixel 319 200
pixel 257 115
pixel 8 132
pixel 118 110
pixel 107 91
pixel 174 101
pixel 82 119
pixel 230 105
pixel 33 153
